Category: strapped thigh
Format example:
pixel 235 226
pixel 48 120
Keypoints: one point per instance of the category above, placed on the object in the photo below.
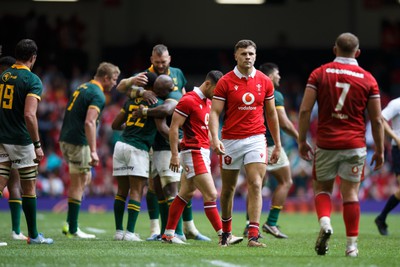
pixel 5 171
pixel 28 174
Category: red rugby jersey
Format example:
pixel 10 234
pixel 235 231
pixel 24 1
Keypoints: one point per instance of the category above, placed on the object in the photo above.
pixel 244 103
pixel 343 90
pixel 196 108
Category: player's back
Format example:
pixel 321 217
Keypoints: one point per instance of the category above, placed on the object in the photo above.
pixel 343 90
pixel 15 85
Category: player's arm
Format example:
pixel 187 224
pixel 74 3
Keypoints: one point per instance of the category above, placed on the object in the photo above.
pixel 216 108
pixel 124 86
pixel 119 121
pixel 161 111
pixel 389 131
pixel 162 127
pixel 273 126
pixel 307 104
pixel 176 123
pixel 374 112
pixel 31 104
pixel 90 131
pixel 285 124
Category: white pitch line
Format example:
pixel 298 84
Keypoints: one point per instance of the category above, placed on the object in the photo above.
pixel 223 264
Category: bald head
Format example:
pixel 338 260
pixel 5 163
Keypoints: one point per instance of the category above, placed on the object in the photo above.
pixel 346 45
pixel 163 85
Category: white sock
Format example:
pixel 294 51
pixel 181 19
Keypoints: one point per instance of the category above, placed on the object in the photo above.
pixel 189 227
pixel 325 223
pixel 154 227
pixel 169 232
pixel 351 241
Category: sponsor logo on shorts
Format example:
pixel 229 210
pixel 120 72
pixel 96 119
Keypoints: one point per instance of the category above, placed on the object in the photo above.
pixel 187 169
pixel 3 155
pixel 124 168
pixel 16 161
pixel 227 160
pixel 354 170
pixel 261 155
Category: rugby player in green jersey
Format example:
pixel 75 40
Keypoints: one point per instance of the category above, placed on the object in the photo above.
pixel 162 177
pixel 13 184
pixel 131 158
pixel 20 148
pixel 78 139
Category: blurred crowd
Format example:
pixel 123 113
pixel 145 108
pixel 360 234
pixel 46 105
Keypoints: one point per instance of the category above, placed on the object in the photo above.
pixel 62 66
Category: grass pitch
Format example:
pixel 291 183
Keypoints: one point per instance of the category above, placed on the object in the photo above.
pixel 298 250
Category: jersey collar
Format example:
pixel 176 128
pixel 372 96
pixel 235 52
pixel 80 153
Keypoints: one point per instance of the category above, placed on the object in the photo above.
pixel 19 67
pixel 199 92
pixel 152 69
pixel 346 60
pixel 98 84
pixel 240 75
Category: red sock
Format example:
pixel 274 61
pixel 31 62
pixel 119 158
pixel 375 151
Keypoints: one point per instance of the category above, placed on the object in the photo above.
pixel 175 212
pixel 253 230
pixel 323 205
pixel 351 217
pixel 210 208
pixel 226 225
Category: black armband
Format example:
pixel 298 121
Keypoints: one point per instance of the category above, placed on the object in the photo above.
pixel 37 144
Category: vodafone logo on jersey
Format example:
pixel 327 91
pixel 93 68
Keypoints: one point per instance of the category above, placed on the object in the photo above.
pixel 248 99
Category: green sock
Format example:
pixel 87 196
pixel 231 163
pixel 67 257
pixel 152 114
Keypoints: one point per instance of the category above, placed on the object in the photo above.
pixel 29 207
pixel 133 213
pixel 179 227
pixel 187 214
pixel 152 205
pixel 15 209
pixel 163 214
pixel 74 206
pixel 119 210
pixel 273 215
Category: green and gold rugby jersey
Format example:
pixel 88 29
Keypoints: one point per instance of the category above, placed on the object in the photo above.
pixel 279 104
pixel 176 75
pixel 140 132
pixel 160 143
pixel 87 95
pixel 16 83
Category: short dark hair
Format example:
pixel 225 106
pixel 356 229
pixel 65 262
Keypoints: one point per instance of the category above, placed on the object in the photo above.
pixel 268 68
pixel 151 78
pixel 7 61
pixel 159 49
pixel 25 49
pixel 214 76
pixel 244 44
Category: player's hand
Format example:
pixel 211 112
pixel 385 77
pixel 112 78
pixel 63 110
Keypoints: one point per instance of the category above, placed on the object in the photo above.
pixel 276 153
pixel 95 159
pixel 138 113
pixel 378 159
pixel 218 147
pixel 139 79
pixel 39 155
pixel 174 164
pixel 150 97
pixel 306 151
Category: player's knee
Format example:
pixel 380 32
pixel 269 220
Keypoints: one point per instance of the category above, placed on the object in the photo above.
pixel 210 196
